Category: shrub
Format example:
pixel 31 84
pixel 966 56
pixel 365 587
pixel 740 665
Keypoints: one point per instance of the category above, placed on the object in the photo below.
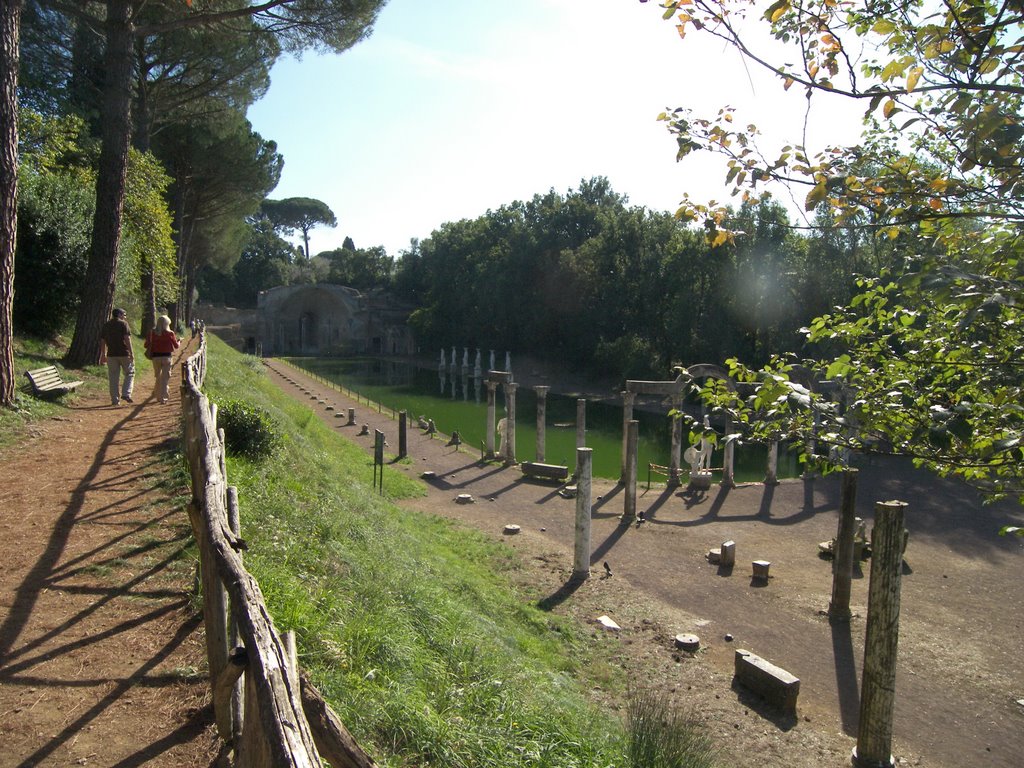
pixel 248 430
pixel 660 735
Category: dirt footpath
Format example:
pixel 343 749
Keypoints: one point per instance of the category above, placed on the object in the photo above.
pixel 101 656
pixel 959 678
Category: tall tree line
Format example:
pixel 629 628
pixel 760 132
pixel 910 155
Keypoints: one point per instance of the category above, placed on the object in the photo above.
pixel 586 278
pixel 166 77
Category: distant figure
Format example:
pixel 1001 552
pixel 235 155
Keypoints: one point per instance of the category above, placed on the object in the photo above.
pixel 116 351
pixel 160 345
pixel 192 327
pixel 607 569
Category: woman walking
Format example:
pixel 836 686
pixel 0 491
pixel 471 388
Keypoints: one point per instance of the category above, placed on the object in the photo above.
pixel 160 343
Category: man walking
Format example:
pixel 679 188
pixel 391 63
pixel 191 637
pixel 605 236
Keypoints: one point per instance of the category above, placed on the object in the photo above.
pixel 116 351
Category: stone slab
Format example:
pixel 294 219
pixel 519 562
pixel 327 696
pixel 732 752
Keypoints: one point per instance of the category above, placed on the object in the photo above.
pixel 774 684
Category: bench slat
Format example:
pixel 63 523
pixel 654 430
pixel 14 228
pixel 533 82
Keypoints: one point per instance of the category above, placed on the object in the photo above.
pixel 48 380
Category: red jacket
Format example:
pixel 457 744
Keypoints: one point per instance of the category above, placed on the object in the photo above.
pixel 161 344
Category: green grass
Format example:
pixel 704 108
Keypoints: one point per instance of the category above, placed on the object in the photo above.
pixel 406 622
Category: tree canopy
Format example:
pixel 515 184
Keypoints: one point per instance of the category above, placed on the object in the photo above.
pixel 929 350
pixel 299 213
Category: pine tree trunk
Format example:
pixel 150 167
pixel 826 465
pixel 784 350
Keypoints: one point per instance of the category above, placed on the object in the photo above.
pixel 101 274
pixel 10 23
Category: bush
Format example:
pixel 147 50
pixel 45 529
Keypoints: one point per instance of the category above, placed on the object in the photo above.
pixel 662 736
pixel 248 430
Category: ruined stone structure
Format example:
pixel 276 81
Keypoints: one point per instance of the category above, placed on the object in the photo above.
pixel 331 320
pixel 317 320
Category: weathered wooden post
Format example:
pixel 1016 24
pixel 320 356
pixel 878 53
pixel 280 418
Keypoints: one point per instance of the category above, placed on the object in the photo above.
pixel 878 687
pixel 378 459
pixel 629 505
pixel 581 429
pixel 403 434
pixel 491 387
pixel 628 400
pixel 842 552
pixel 237 695
pixel 542 408
pixel 584 466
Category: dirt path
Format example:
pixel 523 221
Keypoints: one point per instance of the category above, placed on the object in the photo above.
pixel 101 656
pixel 959 677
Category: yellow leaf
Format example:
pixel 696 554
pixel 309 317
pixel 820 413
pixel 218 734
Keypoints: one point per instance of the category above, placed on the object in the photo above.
pixel 812 70
pixel 935 204
pixel 889 108
pixel 789 82
pixel 913 77
pixel 815 196
pixel 721 238
pixel 776 10
pixel 988 66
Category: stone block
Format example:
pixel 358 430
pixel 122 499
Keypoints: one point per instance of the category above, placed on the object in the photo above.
pixel 774 684
pixel 728 554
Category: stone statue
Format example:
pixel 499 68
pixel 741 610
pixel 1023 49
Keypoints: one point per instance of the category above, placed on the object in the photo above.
pixel 502 424
pixel 698 455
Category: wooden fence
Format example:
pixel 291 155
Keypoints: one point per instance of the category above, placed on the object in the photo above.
pixel 268 712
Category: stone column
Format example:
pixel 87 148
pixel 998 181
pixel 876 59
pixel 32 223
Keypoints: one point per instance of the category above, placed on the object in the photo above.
pixel 542 409
pixel 771 475
pixel 842 550
pixel 491 387
pixel 728 457
pixel 878 686
pixel 629 505
pixel 581 428
pixel 676 453
pixel 510 425
pixel 628 399
pixel 584 465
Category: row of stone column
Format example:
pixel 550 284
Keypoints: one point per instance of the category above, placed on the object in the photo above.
pixel 629 451
pixel 477 369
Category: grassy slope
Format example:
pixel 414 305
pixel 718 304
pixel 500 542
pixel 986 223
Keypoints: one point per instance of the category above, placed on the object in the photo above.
pixel 405 622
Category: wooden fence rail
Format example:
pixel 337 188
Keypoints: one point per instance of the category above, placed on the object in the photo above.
pixel 269 713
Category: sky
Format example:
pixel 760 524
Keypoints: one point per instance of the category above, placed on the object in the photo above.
pixel 452 108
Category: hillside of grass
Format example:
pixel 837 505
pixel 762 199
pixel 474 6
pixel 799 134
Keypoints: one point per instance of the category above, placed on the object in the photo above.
pixel 405 622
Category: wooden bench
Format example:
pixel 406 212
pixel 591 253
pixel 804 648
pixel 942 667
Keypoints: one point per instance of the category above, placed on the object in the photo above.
pixel 47 381
pixel 537 470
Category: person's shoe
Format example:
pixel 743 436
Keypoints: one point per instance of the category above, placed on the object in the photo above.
pixel 128 399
